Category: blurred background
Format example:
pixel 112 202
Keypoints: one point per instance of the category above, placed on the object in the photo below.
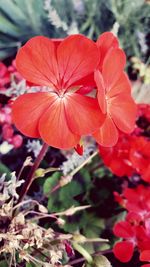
pixel 128 19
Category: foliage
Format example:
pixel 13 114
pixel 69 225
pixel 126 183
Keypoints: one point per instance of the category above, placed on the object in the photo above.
pixel 20 20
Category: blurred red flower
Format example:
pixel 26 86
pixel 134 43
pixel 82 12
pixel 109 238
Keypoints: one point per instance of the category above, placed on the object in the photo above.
pixel 4 76
pixel 123 250
pixel 140 156
pixel 131 154
pixel 117 157
pixel 135 230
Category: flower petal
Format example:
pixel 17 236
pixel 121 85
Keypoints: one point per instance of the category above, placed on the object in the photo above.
pixel 113 66
pixel 105 42
pixel 122 85
pixel 123 112
pixel 83 114
pixel 123 251
pixel 101 91
pixel 28 109
pixel 123 229
pixel 53 127
pixel 107 135
pixel 36 61
pixel 77 57
pixel 145 255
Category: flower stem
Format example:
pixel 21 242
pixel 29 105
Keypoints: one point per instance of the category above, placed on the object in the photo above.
pixel 103 252
pixel 30 176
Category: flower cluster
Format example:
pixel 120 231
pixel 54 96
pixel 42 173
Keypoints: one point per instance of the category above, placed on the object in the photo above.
pixel 88 92
pixel 131 155
pixel 4 76
pixel 135 229
pixel 7 75
pixel 6 127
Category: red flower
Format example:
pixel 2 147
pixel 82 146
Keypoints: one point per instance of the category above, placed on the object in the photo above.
pixel 114 96
pixel 117 157
pixel 4 76
pixel 13 71
pixel 136 228
pixel 114 91
pixel 61 115
pixel 131 154
pixel 140 156
pixel 123 250
pixel 133 235
pixel 145 255
pixel 138 200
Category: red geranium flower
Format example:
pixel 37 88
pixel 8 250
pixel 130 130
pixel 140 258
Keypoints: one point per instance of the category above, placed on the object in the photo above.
pixel 114 91
pixel 117 157
pixel 145 256
pixel 61 115
pixel 138 200
pixel 123 250
pixel 140 156
pixel 114 96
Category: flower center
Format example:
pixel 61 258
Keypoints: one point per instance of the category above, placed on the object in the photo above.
pixel 61 94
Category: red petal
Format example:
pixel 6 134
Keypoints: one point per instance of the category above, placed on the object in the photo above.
pixel 36 61
pixel 121 86
pixel 28 109
pixel 145 255
pixel 113 66
pixel 105 42
pixel 123 229
pixel 107 135
pixel 123 251
pixel 77 57
pixel 53 127
pixel 83 114
pixel 140 156
pixel 101 91
pixel 57 41
pixel 123 112
pixel 79 149
pixel 87 84
pixel 84 90
pixel 145 265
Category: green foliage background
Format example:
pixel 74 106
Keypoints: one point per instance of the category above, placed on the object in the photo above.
pixel 22 19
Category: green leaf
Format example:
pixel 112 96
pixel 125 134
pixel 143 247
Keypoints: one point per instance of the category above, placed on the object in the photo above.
pixel 4 169
pixel 64 197
pixel 51 182
pixel 3 263
pixel 86 181
pixel 70 190
pixel 101 261
pixel 28 264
